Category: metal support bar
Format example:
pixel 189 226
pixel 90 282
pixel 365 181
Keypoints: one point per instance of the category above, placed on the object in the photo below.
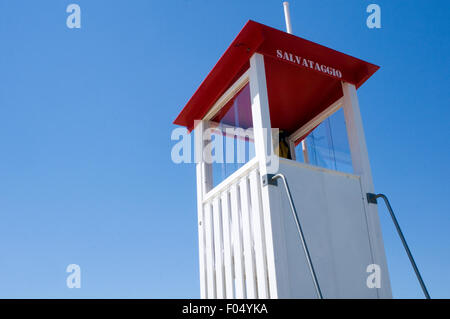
pixel 372 198
pixel 271 180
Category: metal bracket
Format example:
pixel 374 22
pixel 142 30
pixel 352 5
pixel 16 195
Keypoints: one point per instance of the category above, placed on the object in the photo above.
pixel 269 180
pixel 372 198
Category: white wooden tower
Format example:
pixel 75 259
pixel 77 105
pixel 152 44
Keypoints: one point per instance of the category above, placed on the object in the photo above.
pixel 269 81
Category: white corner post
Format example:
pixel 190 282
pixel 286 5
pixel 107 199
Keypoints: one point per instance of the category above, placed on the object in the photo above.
pixel 204 184
pixel 361 167
pixel 273 228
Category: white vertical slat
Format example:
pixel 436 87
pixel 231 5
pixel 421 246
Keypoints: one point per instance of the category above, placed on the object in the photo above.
pixel 247 237
pixel 228 264
pixel 201 251
pixel 237 243
pixel 218 249
pixel 258 236
pixel 209 240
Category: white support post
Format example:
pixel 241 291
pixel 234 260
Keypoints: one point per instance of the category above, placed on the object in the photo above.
pixel 262 129
pixel 361 167
pixel 203 186
pixel 206 169
pixel 275 245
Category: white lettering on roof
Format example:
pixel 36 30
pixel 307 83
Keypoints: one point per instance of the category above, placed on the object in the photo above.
pixel 309 63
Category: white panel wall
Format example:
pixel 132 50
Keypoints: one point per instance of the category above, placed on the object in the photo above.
pixel 331 210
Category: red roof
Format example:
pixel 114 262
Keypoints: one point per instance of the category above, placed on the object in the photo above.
pixel 303 77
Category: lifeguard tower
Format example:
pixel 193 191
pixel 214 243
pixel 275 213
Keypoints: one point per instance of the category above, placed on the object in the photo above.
pixel 292 219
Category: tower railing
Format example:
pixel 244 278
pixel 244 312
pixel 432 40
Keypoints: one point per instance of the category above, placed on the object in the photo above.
pixel 234 237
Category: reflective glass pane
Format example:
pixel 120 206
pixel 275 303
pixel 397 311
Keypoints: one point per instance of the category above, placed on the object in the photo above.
pixel 328 145
pixel 233 136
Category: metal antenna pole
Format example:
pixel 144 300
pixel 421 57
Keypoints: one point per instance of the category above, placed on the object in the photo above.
pixel 287 17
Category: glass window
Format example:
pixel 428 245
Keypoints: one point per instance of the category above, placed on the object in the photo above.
pixel 232 136
pixel 327 145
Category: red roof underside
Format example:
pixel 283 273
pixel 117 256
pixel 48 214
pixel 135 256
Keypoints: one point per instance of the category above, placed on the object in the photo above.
pixel 296 93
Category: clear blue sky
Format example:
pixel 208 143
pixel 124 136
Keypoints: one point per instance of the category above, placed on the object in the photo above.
pixel 86 117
